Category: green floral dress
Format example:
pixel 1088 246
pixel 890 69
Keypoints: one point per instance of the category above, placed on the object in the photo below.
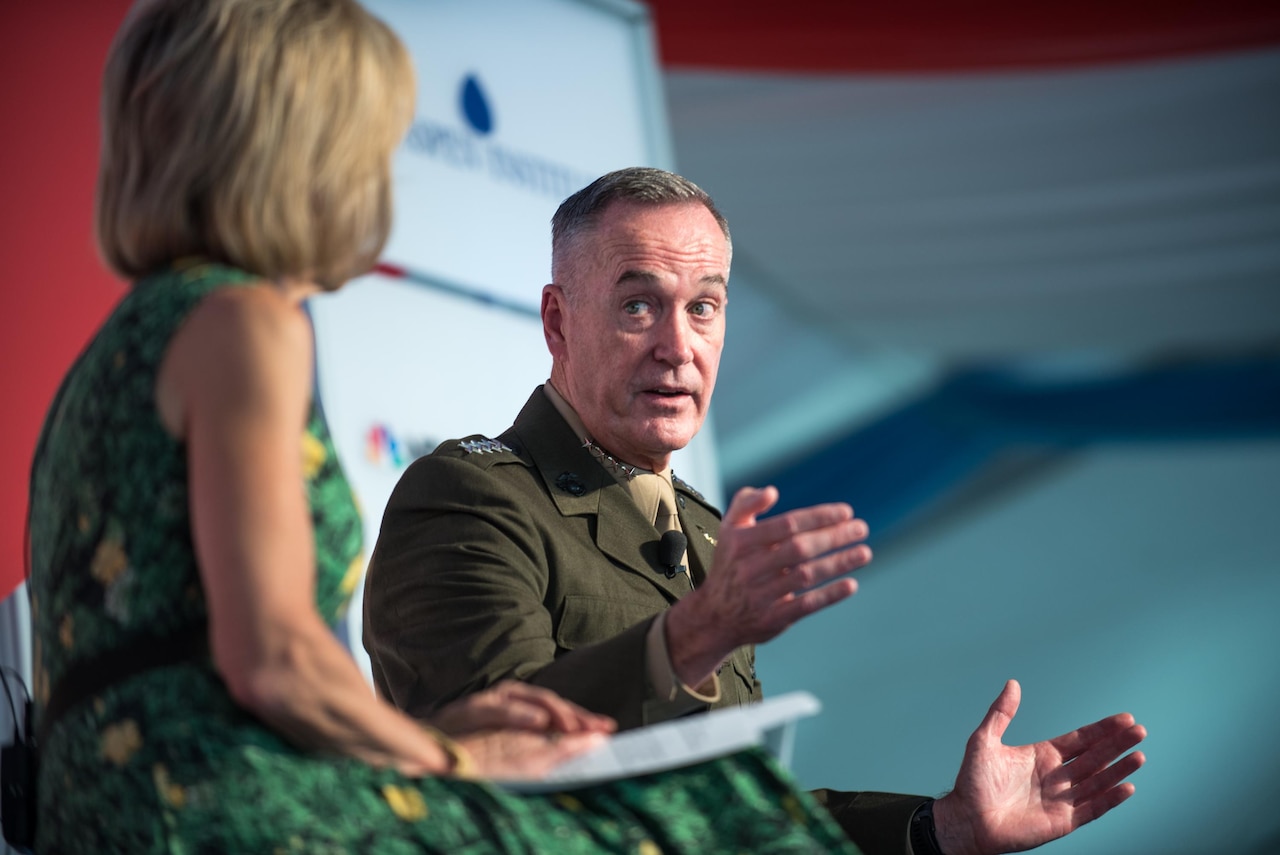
pixel 162 760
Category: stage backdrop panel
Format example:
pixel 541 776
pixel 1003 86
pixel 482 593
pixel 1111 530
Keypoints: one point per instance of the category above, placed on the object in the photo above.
pixel 519 104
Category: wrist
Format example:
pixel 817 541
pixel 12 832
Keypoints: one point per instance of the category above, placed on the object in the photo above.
pixel 460 762
pixel 949 827
pixel 691 643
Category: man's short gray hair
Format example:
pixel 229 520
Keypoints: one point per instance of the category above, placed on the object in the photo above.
pixel 642 185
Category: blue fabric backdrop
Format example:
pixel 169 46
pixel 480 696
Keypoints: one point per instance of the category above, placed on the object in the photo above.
pixel 895 468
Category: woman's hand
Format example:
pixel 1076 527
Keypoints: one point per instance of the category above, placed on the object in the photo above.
pixel 512 705
pixel 524 754
pixel 516 731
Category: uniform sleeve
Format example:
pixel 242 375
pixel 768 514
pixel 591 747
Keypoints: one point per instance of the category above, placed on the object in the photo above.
pixel 672 698
pixel 877 822
pixel 455 601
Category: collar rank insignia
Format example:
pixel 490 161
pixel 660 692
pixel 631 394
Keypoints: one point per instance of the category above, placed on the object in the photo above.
pixel 684 485
pixel 711 540
pixel 482 446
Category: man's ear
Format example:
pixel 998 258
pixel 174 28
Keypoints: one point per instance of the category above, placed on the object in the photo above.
pixel 553 319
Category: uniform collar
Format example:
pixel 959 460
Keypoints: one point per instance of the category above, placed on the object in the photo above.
pixel 580 486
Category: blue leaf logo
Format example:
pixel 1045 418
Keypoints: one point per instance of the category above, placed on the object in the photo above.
pixel 475 106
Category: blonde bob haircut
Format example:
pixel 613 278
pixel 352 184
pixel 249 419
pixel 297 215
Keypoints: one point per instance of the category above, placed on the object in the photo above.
pixel 256 133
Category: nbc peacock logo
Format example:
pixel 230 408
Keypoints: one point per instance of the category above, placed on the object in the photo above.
pixel 385 449
pixel 381 448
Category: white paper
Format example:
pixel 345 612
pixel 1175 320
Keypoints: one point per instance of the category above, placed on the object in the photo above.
pixel 681 742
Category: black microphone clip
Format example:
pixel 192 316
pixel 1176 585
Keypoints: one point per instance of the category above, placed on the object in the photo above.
pixel 671 550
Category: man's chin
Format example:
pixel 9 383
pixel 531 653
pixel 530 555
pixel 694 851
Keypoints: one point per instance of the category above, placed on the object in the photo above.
pixel 664 438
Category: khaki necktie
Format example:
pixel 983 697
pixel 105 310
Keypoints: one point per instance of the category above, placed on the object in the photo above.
pixel 667 517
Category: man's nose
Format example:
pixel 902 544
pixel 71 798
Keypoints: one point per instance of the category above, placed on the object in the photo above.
pixel 675 340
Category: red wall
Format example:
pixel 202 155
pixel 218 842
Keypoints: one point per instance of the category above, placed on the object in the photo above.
pixel 936 36
pixel 55 291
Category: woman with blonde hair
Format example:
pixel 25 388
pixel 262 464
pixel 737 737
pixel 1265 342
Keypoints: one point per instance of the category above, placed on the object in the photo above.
pixel 192 535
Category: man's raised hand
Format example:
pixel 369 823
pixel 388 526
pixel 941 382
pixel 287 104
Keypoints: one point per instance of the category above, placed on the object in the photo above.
pixel 767 574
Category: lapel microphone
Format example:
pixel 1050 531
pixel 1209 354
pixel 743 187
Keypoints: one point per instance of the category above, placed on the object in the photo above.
pixel 670 550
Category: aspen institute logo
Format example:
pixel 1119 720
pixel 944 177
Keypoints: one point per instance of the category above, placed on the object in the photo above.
pixel 472 145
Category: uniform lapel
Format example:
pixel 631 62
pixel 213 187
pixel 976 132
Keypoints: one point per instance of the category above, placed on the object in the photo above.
pixel 702 538
pixel 580 486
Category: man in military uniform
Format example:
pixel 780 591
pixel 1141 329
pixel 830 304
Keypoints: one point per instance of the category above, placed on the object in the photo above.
pixel 542 554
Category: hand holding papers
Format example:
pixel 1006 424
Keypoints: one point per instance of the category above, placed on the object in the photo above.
pixel 683 742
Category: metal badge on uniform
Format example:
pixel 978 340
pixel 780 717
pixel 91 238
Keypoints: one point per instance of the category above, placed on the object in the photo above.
pixel 711 540
pixel 570 483
pixel 482 446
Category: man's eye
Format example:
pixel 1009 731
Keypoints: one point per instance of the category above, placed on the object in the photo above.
pixel 703 309
pixel 635 307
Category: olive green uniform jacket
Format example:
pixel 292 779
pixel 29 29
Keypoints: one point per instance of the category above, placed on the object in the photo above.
pixel 524 558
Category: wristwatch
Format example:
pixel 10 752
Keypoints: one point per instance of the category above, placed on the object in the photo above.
pixel 924 839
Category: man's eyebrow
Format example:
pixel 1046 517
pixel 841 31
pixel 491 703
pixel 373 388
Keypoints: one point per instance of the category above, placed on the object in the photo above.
pixel 629 276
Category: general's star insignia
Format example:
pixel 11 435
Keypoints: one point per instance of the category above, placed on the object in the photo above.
pixel 482 446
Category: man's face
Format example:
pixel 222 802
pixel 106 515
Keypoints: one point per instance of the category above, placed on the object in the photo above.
pixel 636 330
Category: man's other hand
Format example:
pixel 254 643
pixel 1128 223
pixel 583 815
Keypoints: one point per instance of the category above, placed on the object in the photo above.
pixel 1009 798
